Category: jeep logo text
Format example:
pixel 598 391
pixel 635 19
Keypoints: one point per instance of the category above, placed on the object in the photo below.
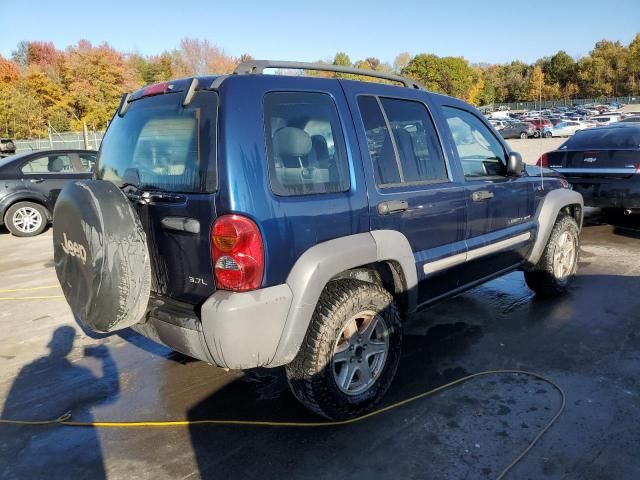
pixel 74 249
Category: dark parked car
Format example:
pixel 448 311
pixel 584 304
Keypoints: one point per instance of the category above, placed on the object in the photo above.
pixel 7 147
pixel 603 164
pixel 30 183
pixel 518 130
pixel 265 220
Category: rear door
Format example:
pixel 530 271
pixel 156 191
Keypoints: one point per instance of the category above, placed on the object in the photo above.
pixel 47 174
pixel 164 156
pixel 411 185
pixel 500 225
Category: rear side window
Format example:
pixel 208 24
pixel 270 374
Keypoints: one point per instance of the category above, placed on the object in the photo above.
pixel 50 164
pixel 88 161
pixel 159 145
pixel 402 142
pixel 306 150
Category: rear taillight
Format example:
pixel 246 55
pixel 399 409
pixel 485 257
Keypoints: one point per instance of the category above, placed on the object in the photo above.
pixel 638 168
pixel 238 253
pixel 543 161
pixel 155 89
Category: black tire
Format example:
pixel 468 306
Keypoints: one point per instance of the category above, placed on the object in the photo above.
pixel 523 135
pixel 536 134
pixel 101 256
pixel 548 135
pixel 542 278
pixel 36 211
pixel 312 373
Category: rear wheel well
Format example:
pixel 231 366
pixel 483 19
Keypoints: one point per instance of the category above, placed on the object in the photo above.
pixel 387 274
pixel 31 200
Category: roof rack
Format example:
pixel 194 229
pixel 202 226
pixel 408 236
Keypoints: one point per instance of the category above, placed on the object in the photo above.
pixel 256 67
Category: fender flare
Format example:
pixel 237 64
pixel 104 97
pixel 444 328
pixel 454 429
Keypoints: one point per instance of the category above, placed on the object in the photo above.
pixel 546 216
pixel 318 265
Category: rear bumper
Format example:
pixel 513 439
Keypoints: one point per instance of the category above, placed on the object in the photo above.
pixel 618 193
pixel 231 330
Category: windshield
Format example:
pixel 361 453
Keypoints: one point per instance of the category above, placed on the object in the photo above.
pixel 159 145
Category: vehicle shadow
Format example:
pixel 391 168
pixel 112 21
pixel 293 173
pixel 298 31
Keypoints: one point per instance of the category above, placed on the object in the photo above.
pixel 428 439
pixel 45 389
pixel 362 450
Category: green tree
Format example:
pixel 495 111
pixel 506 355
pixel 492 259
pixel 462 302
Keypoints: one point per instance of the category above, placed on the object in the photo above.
pixel 560 69
pixel 342 59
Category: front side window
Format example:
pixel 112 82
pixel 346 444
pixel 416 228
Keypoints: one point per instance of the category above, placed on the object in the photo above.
pixel 481 154
pixel 306 150
pixel 402 142
pixel 49 164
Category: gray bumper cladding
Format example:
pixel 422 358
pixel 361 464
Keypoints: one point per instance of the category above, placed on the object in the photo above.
pixel 242 330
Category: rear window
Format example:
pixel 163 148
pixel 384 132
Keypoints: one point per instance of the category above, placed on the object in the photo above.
pixel 604 138
pixel 306 150
pixel 162 146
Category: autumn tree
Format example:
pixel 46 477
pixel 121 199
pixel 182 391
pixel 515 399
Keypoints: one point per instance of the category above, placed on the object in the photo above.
pixel 201 57
pixel 450 75
pixel 95 78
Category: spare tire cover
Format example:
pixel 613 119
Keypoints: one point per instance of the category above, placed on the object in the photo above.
pixel 101 255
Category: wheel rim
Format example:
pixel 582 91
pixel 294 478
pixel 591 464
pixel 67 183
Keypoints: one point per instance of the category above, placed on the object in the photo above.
pixel 360 352
pixel 564 258
pixel 27 219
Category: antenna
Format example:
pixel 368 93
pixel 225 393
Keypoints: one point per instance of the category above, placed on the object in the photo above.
pixel 541 132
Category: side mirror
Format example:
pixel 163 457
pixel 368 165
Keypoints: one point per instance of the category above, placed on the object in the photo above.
pixel 515 165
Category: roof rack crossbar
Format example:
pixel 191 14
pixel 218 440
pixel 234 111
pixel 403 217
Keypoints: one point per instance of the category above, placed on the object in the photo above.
pixel 258 66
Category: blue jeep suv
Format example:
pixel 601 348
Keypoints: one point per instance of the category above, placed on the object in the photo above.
pixel 255 220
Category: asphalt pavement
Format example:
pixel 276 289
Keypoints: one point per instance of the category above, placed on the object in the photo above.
pixel 587 341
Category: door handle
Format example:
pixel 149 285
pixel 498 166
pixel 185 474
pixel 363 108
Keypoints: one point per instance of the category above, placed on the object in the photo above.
pixel 37 180
pixel 481 195
pixel 392 206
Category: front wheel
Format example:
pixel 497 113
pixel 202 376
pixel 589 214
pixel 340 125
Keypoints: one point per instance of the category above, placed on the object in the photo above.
pixel 547 134
pixel 559 262
pixel 536 134
pixel 523 135
pixel 26 219
pixel 350 353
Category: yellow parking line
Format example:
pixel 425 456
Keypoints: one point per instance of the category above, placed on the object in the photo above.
pixel 31 298
pixel 30 289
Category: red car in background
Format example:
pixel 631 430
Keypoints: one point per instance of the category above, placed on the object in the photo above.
pixel 540 123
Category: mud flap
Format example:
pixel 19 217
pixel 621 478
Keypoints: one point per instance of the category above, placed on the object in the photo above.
pixel 101 255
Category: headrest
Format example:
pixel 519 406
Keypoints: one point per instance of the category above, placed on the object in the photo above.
pixel 56 164
pixel 320 146
pixel 291 142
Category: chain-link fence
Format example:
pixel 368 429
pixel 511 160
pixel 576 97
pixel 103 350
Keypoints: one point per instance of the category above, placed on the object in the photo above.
pixel 561 103
pixel 60 141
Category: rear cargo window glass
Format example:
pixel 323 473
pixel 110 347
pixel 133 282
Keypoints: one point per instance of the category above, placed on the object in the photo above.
pixel 306 151
pixel 160 145
pixel 604 138
pixel 49 164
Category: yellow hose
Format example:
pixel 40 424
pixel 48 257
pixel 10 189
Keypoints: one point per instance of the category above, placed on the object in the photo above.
pixel 65 420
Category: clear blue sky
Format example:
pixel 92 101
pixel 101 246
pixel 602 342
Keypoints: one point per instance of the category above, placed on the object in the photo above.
pixel 481 31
